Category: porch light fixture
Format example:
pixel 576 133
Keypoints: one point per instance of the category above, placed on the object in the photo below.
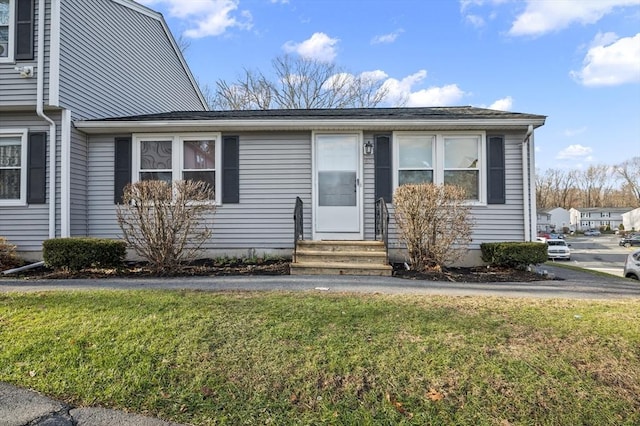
pixel 368 148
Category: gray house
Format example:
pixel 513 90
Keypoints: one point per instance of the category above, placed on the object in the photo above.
pixel 339 163
pixel 68 60
pixel 84 111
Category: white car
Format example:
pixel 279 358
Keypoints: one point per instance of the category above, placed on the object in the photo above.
pixel 632 265
pixel 558 249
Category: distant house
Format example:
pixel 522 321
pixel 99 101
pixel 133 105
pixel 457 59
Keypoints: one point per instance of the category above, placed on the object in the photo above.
pixel 597 217
pixel 631 220
pixel 555 219
pixel 97 115
pixel 68 60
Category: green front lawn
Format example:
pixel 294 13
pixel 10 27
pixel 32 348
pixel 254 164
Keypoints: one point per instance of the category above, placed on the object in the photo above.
pixel 301 358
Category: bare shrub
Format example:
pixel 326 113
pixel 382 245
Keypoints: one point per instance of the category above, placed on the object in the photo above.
pixel 8 257
pixel 434 222
pixel 166 224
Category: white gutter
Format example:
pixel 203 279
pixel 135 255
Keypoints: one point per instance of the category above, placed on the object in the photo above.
pixel 526 193
pixel 65 173
pixel 532 167
pixel 52 124
pixel 109 126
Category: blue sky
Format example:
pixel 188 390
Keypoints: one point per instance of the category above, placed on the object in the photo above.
pixel 575 61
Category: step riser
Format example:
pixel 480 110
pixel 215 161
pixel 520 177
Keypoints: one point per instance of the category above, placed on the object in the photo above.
pixel 343 258
pixel 301 270
pixel 368 246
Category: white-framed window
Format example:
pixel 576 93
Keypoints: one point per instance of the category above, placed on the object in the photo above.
pixel 13 167
pixel 7 30
pixel 455 158
pixel 173 157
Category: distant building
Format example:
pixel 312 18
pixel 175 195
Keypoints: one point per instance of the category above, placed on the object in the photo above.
pixel 555 219
pixel 597 217
pixel 631 220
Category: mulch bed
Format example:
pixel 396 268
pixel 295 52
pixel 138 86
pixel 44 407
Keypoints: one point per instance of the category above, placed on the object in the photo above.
pixel 229 267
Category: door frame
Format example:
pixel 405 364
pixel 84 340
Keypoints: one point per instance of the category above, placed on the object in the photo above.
pixel 359 234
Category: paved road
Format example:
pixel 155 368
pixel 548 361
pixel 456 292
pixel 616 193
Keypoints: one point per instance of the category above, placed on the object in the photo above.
pixel 601 253
pixel 568 284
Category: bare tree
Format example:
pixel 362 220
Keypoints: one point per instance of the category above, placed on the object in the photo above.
pixel 629 172
pixel 434 222
pixel 300 83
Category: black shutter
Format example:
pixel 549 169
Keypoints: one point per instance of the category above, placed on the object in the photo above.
pixel 24 29
pixel 495 170
pixel 383 176
pixel 122 167
pixel 230 169
pixel 37 168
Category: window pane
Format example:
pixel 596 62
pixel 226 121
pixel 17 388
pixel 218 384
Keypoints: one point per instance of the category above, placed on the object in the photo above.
pixel 461 153
pixel 199 155
pixel 155 155
pixel 9 184
pixel 208 177
pixel 466 179
pixel 10 151
pixel 336 152
pixel 336 188
pixel 164 176
pixel 4 12
pixel 415 176
pixel 416 152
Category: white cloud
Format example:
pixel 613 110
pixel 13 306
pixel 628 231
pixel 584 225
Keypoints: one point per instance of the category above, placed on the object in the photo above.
pixel 318 47
pixel 610 61
pixel 504 104
pixel 400 92
pixel 541 17
pixel 206 17
pixel 475 20
pixel 387 38
pixel 575 152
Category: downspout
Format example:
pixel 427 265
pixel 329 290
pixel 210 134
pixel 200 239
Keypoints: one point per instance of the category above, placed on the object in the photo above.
pixel 526 193
pixel 52 124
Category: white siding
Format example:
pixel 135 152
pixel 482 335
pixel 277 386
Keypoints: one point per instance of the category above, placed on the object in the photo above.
pixel 115 61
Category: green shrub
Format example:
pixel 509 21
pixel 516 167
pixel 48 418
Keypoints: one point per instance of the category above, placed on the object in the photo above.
pixel 513 254
pixel 81 253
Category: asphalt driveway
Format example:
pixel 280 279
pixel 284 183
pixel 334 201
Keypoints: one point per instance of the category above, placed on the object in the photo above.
pixel 567 284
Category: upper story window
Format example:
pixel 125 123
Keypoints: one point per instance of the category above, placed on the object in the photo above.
pixel 179 157
pixel 442 158
pixel 6 29
pixel 13 169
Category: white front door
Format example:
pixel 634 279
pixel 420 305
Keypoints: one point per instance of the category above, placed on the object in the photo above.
pixel 337 190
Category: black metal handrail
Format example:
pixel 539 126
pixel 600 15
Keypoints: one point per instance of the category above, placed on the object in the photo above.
pixel 382 224
pixel 298 225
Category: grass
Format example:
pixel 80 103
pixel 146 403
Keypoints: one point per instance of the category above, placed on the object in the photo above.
pixel 300 358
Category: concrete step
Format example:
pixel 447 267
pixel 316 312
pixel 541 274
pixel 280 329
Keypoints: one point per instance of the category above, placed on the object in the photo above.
pixel 324 268
pixel 333 246
pixel 324 256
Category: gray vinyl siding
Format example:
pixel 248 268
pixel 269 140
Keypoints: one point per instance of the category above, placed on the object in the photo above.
pixel 27 226
pixel 493 222
pixel 16 91
pixel 274 169
pixel 116 61
pixel 78 183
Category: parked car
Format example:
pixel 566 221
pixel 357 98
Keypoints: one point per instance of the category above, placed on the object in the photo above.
pixel 632 265
pixel 591 233
pixel 630 240
pixel 558 249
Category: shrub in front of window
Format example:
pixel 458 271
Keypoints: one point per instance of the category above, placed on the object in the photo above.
pixel 434 222
pixel 517 255
pixel 76 254
pixel 8 257
pixel 164 223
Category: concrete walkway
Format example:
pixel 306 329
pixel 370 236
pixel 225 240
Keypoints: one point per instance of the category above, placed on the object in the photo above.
pixel 20 407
